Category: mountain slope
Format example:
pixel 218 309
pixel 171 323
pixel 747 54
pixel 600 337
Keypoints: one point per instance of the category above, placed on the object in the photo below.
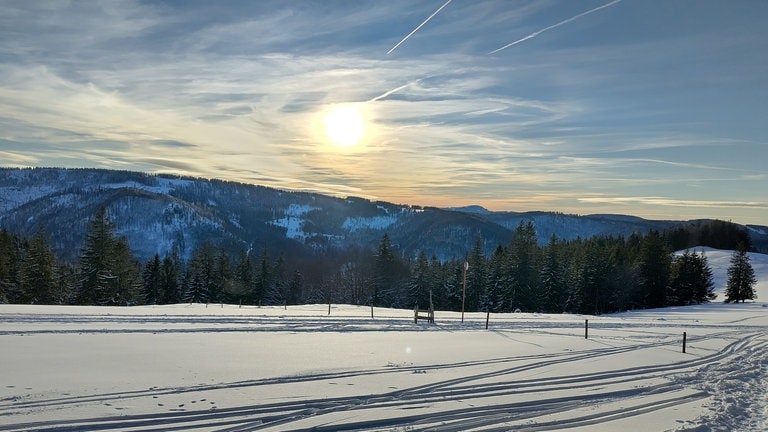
pixel 164 213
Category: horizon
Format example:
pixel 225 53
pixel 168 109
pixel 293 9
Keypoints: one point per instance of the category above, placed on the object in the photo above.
pixel 467 208
pixel 594 107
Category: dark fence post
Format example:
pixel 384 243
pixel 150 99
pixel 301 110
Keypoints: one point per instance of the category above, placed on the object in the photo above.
pixel 685 336
pixel 586 329
pixel 487 318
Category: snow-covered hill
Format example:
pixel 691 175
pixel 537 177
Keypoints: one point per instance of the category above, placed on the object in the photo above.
pixel 161 214
pixel 720 260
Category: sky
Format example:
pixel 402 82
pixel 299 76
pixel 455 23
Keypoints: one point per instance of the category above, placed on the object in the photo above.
pixel 656 109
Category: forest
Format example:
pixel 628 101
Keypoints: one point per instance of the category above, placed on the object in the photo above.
pixel 595 275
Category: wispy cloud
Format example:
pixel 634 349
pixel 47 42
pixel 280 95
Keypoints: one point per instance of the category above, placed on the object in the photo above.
pixel 239 92
pixel 663 201
pixel 554 26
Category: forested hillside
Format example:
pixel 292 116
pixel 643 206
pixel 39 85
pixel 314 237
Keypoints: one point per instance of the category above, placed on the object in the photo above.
pixel 121 238
pixel 601 274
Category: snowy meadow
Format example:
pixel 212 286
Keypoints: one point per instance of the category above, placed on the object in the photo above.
pixel 196 367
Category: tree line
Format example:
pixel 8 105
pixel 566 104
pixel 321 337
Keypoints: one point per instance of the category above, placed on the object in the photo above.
pixel 594 276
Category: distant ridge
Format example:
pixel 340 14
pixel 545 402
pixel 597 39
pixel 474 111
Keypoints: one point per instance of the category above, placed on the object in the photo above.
pixel 166 213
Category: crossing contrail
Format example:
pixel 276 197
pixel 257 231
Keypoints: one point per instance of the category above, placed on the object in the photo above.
pixel 417 28
pixel 536 33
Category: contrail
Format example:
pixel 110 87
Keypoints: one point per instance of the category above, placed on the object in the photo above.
pixel 394 90
pixel 420 25
pixel 536 33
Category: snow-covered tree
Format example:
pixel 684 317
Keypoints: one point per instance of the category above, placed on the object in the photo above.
pixel 741 278
pixel 691 280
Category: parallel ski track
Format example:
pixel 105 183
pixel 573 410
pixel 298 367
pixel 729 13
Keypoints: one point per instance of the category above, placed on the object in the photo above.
pixel 490 414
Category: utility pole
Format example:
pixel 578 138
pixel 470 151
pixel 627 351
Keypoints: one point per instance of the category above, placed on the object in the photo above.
pixel 464 293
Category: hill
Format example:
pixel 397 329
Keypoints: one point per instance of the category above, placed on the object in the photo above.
pixel 165 213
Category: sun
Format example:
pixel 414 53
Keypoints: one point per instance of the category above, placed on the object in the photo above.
pixel 344 125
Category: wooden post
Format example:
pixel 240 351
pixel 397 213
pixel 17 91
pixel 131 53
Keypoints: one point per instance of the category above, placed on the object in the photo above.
pixel 371 310
pixel 487 318
pixel 329 308
pixel 586 329
pixel 685 336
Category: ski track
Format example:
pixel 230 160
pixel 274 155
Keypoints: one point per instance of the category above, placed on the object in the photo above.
pixel 492 395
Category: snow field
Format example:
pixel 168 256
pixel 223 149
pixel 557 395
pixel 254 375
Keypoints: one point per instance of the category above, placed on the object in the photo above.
pixel 224 368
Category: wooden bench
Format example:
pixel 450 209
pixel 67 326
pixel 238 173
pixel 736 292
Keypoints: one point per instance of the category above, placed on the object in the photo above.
pixel 423 314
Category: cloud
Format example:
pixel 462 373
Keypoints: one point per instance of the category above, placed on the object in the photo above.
pixel 238 92
pixel 663 201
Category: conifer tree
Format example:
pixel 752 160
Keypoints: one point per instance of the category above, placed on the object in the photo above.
pixel 741 278
pixel 553 278
pixel 153 281
pixel 419 287
pixel 38 279
pixel 498 280
pixel 477 279
pixel 127 271
pixel 8 265
pixel 243 279
pixel 294 289
pixel 388 272
pixel 522 291
pixel 200 275
pixel 171 271
pixel 691 280
pixel 654 270
pixel 108 273
pixel 262 287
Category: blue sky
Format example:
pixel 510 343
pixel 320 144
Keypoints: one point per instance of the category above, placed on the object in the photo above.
pixel 643 107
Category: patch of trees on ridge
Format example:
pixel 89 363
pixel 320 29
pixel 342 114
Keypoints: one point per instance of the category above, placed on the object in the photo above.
pixel 595 275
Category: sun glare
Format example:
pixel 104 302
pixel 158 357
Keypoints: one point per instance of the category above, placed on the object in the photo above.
pixel 344 126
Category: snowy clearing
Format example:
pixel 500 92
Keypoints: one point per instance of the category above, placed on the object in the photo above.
pixel 225 368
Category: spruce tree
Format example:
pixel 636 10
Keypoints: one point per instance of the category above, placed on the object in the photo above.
pixel 522 291
pixel 153 281
pixel 553 278
pixel 418 285
pixel 294 289
pixel 96 277
pixel 170 274
pixel 654 270
pixel 388 272
pixel 200 275
pixel 10 261
pixel 127 271
pixel 262 286
pixel 477 279
pixel 243 279
pixel 498 279
pixel 691 280
pixel 38 279
pixel 741 278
